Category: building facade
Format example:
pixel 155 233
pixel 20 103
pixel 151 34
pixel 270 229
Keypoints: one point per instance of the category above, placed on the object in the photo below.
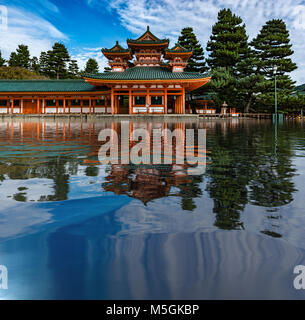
pixel 145 78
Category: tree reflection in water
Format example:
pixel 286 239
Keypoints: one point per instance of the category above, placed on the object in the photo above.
pixel 243 168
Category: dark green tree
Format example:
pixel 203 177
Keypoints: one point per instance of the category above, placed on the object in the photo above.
pixel 249 82
pixel 229 41
pixel 20 58
pixel 223 86
pixel 273 49
pixel 107 69
pixel 58 59
pixel 34 65
pixel 228 46
pixel 188 40
pixel 92 66
pixel 73 69
pixel 43 62
pixel 2 61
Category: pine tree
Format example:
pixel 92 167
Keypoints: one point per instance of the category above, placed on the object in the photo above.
pixel 92 66
pixel 249 81
pixel 58 58
pixel 223 84
pixel 273 49
pixel 2 61
pixel 188 40
pixel 73 69
pixel 228 46
pixel 43 62
pixel 20 58
pixel 34 65
pixel 229 41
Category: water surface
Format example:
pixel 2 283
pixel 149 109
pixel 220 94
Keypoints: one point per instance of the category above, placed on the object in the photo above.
pixel 72 228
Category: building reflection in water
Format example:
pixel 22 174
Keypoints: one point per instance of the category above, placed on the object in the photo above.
pixel 101 244
pixel 242 166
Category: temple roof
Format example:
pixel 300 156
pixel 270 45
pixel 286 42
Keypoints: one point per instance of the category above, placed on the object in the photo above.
pixel 48 86
pixel 117 48
pixel 147 38
pixel 147 73
pixel 178 49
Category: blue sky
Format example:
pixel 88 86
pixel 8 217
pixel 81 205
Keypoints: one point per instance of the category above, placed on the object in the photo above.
pixel 86 26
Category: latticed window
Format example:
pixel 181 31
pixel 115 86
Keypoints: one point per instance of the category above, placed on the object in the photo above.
pixel 140 101
pixel 51 103
pixel 100 102
pixel 3 103
pixel 75 102
pixel 156 100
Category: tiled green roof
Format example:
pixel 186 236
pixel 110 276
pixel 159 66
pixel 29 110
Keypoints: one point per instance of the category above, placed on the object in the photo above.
pixel 157 41
pixel 147 73
pixel 148 41
pixel 48 86
pixel 181 49
pixel 116 48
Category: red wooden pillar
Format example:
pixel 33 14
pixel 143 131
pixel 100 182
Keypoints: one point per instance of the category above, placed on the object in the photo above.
pixel 112 101
pixel 130 101
pixel 147 100
pixel 12 107
pixel 90 105
pixel 165 100
pixel 115 104
pixel 38 106
pixel 64 103
pixel 183 100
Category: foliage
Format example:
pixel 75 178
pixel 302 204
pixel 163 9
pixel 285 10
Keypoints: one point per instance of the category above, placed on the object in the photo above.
pixel 34 65
pixel 189 41
pixel 92 66
pixel 73 70
pixel 273 49
pixel 57 60
pixel 2 61
pixel 20 58
pixel 228 43
pixel 17 73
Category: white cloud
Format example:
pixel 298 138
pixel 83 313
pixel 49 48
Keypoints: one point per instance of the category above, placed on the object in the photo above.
pixel 27 28
pixel 167 17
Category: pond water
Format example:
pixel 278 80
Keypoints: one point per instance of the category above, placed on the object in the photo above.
pixel 73 228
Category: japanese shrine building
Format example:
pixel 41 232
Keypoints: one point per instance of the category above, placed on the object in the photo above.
pixel 146 78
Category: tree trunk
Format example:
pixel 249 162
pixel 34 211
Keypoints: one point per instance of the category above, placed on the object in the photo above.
pixel 248 105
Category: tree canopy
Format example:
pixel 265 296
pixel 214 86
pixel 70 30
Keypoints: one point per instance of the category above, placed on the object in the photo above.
pixel 92 66
pixel 188 40
pixel 20 58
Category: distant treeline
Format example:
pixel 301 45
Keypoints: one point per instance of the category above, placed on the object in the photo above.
pixel 53 64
